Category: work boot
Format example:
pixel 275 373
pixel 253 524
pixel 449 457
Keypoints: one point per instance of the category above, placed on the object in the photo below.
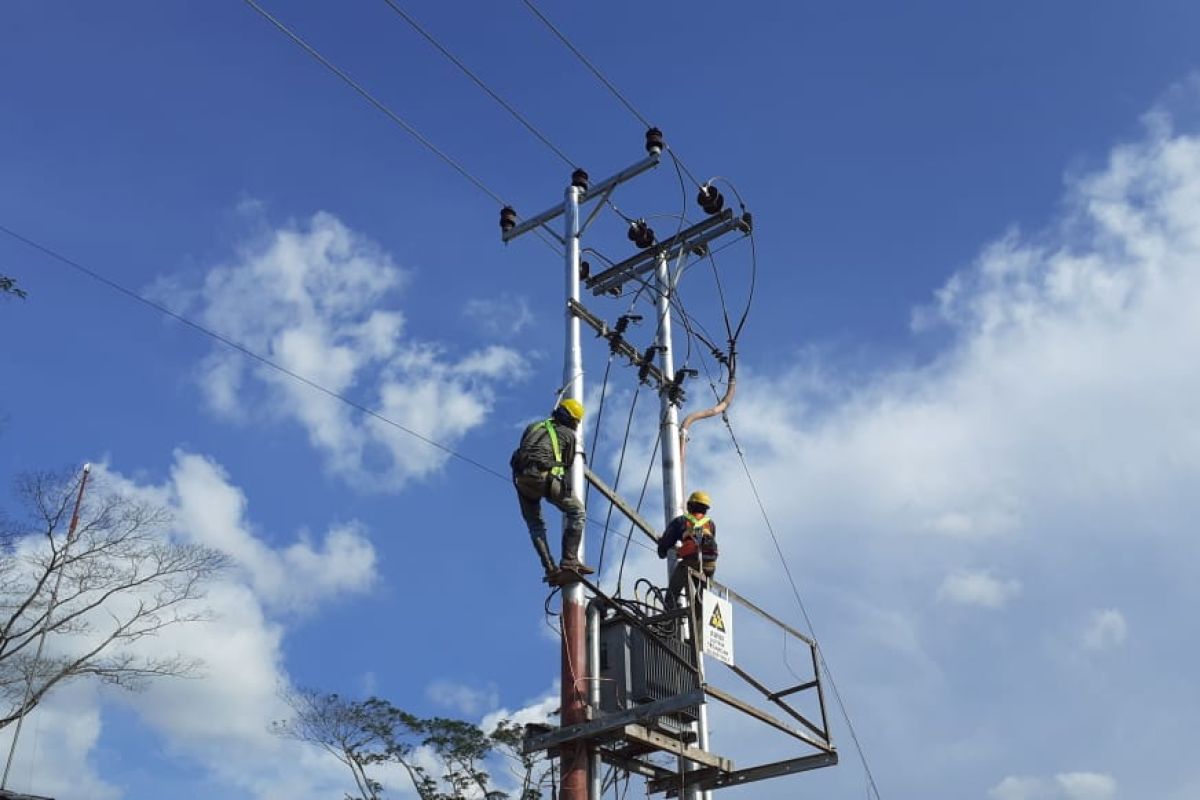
pixel 543 550
pixel 572 538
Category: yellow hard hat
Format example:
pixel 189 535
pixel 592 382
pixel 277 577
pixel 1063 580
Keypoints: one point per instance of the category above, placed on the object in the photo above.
pixel 573 407
pixel 700 498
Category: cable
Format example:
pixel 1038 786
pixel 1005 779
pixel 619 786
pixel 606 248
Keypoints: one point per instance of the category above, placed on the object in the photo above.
pixel 479 82
pixel 246 351
pixel 591 459
pixel 595 71
pixel 617 477
pixel 272 364
pixel 803 610
pixel 392 115
pixel 562 37
pixel 638 508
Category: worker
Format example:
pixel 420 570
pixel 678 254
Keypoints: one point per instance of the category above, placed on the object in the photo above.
pixel 539 468
pixel 696 534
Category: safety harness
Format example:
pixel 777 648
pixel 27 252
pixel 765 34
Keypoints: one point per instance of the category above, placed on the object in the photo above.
pixel 557 471
pixel 708 544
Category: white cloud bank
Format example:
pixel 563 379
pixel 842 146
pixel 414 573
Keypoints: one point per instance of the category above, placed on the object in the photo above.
pixel 1065 786
pixel 219 720
pixel 319 299
pixel 978 589
pixel 1056 438
pixel 1106 630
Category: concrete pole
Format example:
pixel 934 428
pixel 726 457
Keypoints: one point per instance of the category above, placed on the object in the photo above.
pixel 575 759
pixel 671 464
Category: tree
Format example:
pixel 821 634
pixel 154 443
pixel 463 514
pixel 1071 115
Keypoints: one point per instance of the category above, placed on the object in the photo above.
pixel 9 286
pixel 75 605
pixel 365 735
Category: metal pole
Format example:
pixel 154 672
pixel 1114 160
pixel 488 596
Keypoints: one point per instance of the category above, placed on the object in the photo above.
pixel 671 467
pixel 576 757
pixel 595 778
pixel 12 749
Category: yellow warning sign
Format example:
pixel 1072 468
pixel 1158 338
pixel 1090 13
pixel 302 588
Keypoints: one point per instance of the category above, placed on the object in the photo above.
pixel 718 628
pixel 715 621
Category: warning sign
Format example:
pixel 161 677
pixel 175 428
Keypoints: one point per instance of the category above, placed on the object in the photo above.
pixel 718 628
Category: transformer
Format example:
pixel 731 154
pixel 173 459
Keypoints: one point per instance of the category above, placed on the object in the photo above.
pixel 637 668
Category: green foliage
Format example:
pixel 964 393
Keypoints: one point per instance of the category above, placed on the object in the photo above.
pixel 366 734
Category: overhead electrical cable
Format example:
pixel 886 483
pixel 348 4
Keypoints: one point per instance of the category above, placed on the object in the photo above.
pixel 386 110
pixel 529 126
pixel 260 358
pixel 617 477
pixel 562 37
pixel 373 100
pixel 803 609
pixel 275 365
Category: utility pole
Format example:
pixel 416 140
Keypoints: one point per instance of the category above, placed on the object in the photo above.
pixel 577 766
pixel 579 769
pixel 672 474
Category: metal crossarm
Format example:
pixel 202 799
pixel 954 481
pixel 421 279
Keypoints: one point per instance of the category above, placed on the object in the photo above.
pixel 715 780
pixel 694 237
pixel 603 187
pixel 622 506
pixel 619 345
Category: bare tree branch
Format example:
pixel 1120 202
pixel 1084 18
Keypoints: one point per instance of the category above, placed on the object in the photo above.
pixel 87 598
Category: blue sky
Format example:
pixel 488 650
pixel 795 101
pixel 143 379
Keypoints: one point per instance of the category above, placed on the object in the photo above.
pixel 965 389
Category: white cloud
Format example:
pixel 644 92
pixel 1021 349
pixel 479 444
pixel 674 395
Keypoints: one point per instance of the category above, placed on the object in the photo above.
pixel 1106 630
pixel 1053 435
pixel 1086 786
pixel 467 700
pixel 1064 786
pixel 221 719
pixel 210 510
pixel 978 589
pixel 319 300
pixel 57 740
pixel 1019 788
pixel 502 316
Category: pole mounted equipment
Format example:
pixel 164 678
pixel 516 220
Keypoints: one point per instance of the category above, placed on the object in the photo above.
pixel 641 234
pixel 654 141
pixel 710 199
pixel 508 220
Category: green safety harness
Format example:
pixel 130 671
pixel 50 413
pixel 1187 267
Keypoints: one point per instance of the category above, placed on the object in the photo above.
pixel 557 471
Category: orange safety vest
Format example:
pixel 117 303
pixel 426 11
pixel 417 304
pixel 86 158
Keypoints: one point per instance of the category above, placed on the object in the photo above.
pixel 688 546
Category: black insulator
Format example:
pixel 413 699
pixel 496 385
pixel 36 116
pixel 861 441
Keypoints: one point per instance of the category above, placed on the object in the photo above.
pixel 641 234
pixel 654 141
pixel 624 320
pixel 747 225
pixel 579 179
pixel 710 199
pixel 508 219
pixel 647 361
pixel 585 270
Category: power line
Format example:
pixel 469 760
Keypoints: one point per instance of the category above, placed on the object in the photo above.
pixel 379 104
pixel 268 362
pixel 803 610
pixel 562 37
pixel 75 265
pixel 479 82
pixel 389 113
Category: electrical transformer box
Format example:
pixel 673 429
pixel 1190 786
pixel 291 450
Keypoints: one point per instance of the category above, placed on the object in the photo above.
pixel 637 668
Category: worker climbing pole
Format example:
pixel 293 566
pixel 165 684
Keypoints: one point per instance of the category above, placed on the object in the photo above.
pixel 539 468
